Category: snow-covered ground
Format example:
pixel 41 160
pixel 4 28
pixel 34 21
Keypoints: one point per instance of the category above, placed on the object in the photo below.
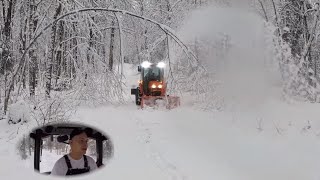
pixel 258 138
pixel 189 144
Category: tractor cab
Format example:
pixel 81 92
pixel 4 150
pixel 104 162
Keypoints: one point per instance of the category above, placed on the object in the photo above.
pixel 152 79
pixel 153 73
pixel 61 133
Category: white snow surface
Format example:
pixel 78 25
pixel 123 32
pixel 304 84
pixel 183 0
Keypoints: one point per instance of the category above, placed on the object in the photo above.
pixel 189 144
pixel 261 139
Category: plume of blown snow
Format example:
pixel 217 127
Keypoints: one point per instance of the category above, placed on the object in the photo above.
pixel 237 51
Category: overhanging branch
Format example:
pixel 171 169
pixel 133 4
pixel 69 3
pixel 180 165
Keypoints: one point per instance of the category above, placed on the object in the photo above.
pixel 163 27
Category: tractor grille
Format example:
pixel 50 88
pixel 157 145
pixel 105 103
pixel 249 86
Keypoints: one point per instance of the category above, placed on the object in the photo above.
pixel 155 93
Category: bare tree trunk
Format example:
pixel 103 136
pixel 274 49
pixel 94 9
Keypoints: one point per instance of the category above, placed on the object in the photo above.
pixel 71 68
pixel 23 39
pixel 49 63
pixel 59 61
pixel 52 54
pixel 104 48
pixel 145 30
pixel 121 43
pixel 136 38
pixel 306 50
pixel 307 37
pixel 89 60
pixel 6 54
pixel 32 53
pixel 111 46
pixel 29 145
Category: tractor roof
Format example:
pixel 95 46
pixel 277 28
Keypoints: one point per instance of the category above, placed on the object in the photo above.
pixel 65 129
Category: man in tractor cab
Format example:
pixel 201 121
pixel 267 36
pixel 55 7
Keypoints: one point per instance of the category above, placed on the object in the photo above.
pixel 76 162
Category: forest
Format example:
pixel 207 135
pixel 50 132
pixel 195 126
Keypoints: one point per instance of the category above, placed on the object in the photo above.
pixel 57 55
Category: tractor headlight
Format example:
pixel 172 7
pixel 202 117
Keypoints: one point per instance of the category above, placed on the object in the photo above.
pixel 160 86
pixel 161 65
pixel 145 64
pixel 153 86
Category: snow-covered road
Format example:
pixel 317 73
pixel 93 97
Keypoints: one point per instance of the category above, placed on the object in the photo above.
pixel 189 144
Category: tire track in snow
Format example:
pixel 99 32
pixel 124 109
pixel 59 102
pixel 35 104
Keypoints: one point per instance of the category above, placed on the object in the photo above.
pixel 170 169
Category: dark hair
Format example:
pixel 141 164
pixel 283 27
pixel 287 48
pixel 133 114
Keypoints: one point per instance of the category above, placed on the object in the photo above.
pixel 77 131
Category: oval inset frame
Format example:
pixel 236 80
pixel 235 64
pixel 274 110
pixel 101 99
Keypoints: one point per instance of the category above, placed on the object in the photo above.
pixel 63 131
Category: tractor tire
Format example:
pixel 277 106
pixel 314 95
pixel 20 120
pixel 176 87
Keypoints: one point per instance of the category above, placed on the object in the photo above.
pixel 138 98
pixel 138 103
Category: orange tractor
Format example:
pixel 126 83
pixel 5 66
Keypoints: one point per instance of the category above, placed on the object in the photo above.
pixel 152 87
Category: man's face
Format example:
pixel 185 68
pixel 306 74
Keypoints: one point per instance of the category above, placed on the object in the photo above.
pixel 79 143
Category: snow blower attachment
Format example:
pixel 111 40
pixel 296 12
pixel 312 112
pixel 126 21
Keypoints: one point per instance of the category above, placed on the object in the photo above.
pixel 152 87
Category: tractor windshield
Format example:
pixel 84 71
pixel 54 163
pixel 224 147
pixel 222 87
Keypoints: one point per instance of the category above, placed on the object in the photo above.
pixel 152 74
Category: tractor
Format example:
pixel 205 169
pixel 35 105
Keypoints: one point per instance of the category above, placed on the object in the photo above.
pixel 152 87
